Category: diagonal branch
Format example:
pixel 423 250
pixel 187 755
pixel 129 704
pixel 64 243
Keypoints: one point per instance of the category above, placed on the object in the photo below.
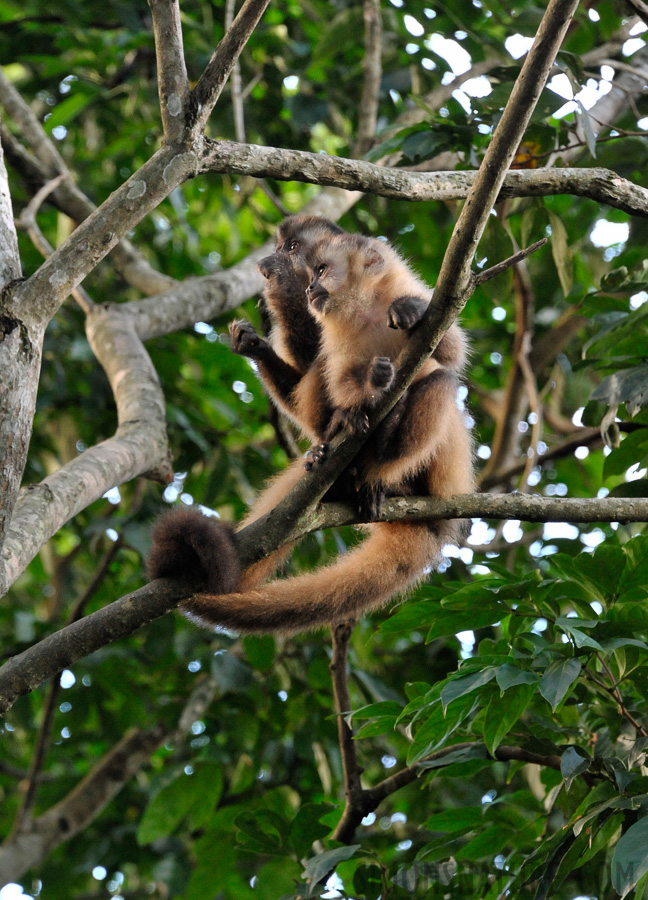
pixel 213 79
pixel 46 163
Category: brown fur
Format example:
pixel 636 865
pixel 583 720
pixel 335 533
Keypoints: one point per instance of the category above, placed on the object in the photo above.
pixel 422 446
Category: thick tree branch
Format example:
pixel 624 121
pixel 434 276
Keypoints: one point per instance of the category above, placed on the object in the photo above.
pixel 213 79
pixel 24 672
pixel 43 293
pixel 173 84
pixel 28 223
pixel 16 362
pixel 9 257
pixel 599 184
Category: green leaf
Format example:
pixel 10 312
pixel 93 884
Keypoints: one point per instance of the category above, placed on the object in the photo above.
pixel 324 863
pixel 306 827
pixel 456 818
pixel 192 796
pixel 630 859
pixel 557 680
pixel 561 253
pixel 461 686
pixel 573 762
pixel 260 650
pixel 261 831
pixel 509 675
pixel 503 712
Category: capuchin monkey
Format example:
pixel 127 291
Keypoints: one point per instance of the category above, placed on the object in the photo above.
pixel 426 448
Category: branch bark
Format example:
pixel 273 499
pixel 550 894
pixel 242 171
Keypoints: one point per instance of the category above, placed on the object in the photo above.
pixel 173 84
pixel 599 184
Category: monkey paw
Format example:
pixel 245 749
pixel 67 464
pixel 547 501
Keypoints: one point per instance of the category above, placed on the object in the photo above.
pixel 405 312
pixel 316 455
pixel 382 372
pixel 245 341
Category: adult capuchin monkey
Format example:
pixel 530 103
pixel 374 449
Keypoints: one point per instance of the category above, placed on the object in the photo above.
pixel 425 448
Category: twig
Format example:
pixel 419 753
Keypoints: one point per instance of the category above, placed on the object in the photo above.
pixel 613 691
pixel 372 67
pixel 236 86
pixel 640 8
pixel 354 806
pixel 213 79
pixel 500 267
pixel 528 377
pixel 173 84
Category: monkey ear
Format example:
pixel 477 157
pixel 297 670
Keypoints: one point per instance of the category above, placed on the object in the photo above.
pixel 374 259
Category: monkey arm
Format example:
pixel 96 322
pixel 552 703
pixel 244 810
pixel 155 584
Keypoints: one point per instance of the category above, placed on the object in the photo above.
pixel 279 377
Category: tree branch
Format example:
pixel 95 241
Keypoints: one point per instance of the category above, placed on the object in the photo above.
pixel 354 794
pixel 47 163
pixel 25 671
pixel 139 446
pixel 599 184
pixel 213 79
pixel 372 67
pixel 173 84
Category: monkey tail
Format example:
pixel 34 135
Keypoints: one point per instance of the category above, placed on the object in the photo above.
pixel 392 559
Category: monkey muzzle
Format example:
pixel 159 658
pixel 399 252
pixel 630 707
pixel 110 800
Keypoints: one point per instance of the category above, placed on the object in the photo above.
pixel 317 296
pixel 268 266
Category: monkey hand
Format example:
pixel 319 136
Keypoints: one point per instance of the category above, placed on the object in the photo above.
pixel 245 341
pixel 381 374
pixel 187 544
pixel 406 312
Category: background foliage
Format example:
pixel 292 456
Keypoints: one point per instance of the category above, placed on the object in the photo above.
pixel 535 639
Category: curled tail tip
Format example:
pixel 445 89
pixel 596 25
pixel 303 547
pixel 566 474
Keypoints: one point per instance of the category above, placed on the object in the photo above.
pixel 187 544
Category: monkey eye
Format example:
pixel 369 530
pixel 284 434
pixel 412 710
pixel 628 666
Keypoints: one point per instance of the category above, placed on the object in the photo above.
pixel 321 268
pixel 294 245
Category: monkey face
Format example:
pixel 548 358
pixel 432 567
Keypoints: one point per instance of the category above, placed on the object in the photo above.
pixel 316 292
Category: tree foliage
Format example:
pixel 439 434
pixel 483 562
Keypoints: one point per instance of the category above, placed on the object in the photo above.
pixel 498 713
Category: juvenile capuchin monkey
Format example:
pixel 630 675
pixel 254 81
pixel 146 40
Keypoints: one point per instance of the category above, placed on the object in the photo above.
pixel 426 449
